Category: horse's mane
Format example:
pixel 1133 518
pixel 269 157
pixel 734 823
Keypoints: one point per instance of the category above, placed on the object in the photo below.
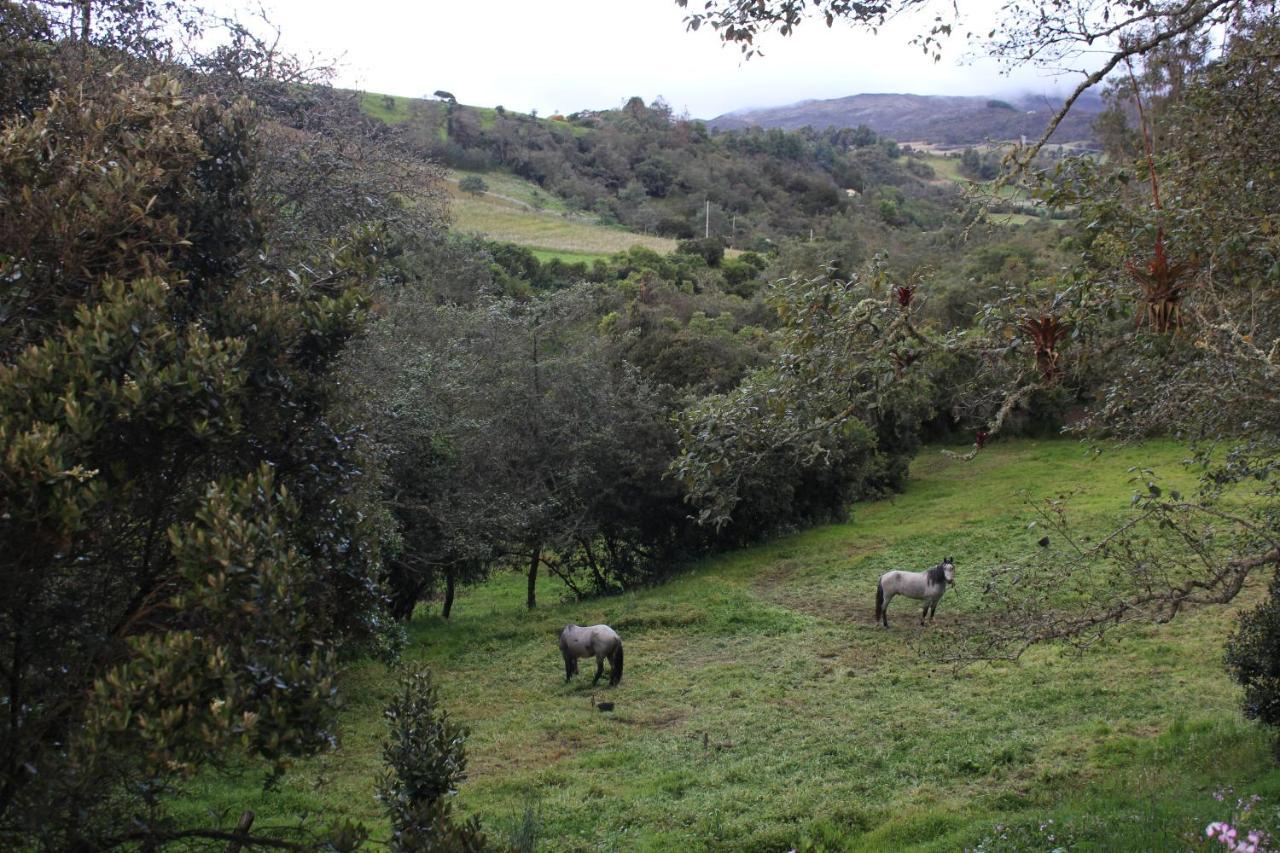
pixel 938 575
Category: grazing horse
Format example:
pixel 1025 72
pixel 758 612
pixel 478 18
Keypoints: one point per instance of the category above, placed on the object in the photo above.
pixel 598 641
pixel 928 585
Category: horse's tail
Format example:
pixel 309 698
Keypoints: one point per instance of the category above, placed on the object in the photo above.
pixel 615 664
pixel 879 600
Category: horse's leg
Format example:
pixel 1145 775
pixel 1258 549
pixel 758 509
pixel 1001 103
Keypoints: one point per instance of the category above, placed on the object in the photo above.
pixel 599 669
pixel 570 665
pixel 924 613
pixel 884 611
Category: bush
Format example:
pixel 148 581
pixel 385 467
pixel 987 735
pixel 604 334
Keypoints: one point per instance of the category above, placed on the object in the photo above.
pixel 1253 658
pixel 710 249
pixel 426 761
pixel 473 184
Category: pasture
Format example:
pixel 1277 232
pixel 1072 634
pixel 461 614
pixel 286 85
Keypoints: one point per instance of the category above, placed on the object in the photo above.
pixel 947 170
pixel 516 211
pixel 761 709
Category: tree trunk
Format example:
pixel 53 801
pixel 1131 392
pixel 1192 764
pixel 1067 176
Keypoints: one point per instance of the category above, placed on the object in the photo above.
pixel 448 593
pixel 534 559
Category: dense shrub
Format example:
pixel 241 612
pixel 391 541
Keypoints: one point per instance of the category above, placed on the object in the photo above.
pixel 710 249
pixel 1253 658
pixel 426 761
pixel 189 551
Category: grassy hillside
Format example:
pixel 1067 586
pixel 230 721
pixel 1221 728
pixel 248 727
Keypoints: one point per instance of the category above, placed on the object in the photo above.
pixel 947 169
pixel 517 211
pixel 761 707
pixel 514 210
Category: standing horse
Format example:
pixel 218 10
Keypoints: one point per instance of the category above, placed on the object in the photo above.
pixel 599 641
pixel 928 585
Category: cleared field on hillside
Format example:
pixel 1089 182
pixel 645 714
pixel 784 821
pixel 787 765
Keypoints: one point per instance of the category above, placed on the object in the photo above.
pixel 948 170
pixel 514 211
pixel 761 709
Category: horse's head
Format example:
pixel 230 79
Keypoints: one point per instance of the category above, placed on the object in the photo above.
pixel 949 570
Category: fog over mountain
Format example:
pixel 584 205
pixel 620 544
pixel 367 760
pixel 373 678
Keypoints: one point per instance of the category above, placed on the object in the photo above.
pixel 937 119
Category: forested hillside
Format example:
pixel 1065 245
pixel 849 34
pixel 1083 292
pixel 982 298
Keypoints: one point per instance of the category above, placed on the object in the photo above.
pixel 645 168
pixel 950 121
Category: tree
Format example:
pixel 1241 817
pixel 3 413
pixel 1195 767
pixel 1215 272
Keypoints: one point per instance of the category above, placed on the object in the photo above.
pixel 512 436
pixel 192 548
pixel 1168 323
pixel 473 184
pixel 840 407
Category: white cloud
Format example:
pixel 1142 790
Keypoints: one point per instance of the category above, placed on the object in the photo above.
pixel 565 55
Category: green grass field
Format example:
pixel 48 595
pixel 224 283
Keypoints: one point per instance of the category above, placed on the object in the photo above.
pixel 394 111
pixel 948 170
pixel 762 710
pixel 545 255
pixel 516 211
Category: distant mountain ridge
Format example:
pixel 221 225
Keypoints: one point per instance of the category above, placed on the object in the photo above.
pixel 937 119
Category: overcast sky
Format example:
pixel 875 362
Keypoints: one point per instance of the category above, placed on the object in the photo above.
pixel 567 55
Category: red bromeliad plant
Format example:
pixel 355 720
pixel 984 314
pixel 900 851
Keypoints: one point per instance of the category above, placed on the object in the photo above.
pixel 1163 284
pixel 1045 332
pixel 905 294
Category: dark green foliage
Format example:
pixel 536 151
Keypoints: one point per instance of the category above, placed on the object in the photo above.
pixel 979 166
pixel 1253 658
pixel 836 416
pixel 558 438
pixel 920 169
pixel 710 249
pixel 191 549
pixel 740 277
pixel 426 761
pixel 473 184
pixel 26 76
pixel 234 551
pixel 530 446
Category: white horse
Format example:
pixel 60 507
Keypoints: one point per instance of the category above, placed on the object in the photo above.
pixel 928 585
pixel 598 641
